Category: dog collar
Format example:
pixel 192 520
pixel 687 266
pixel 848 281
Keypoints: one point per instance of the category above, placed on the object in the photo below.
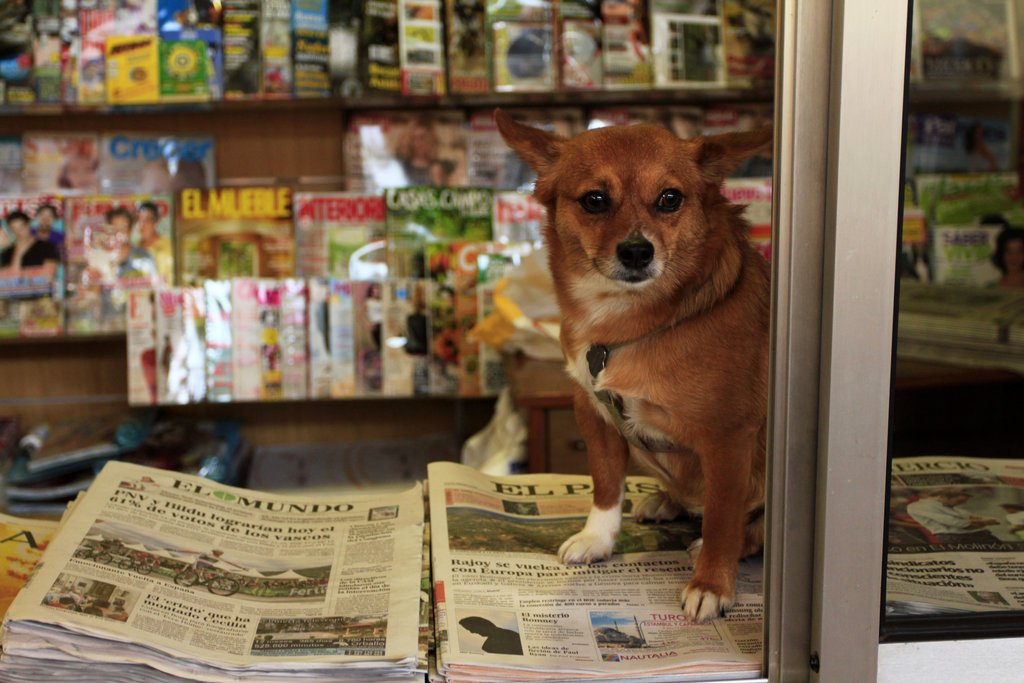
pixel 597 360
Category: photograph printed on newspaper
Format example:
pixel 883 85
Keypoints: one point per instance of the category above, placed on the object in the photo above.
pixel 504 602
pixel 956 535
pixel 230 577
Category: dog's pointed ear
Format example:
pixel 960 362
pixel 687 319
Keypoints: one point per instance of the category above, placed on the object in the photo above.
pixel 536 147
pixel 720 155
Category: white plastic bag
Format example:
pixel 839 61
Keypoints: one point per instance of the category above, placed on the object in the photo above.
pixel 500 447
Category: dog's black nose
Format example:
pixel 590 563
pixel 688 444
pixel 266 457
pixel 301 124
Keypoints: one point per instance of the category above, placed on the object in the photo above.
pixel 635 252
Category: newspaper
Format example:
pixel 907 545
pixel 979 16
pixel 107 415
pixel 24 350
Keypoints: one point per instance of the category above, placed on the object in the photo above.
pixel 505 608
pixel 161 572
pixel 956 536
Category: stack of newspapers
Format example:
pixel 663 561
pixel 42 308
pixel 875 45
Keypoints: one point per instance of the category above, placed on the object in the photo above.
pixel 962 325
pixel 506 609
pixel 158 576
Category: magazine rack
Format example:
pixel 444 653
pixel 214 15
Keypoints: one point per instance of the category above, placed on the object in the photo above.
pixel 291 141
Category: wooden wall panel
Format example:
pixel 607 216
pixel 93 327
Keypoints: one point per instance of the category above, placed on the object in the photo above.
pixel 267 142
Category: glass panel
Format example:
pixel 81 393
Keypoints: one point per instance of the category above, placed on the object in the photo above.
pixel 955 537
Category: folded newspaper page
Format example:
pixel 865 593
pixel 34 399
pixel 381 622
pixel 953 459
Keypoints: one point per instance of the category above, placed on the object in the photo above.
pixel 209 582
pixel 505 608
pixel 956 535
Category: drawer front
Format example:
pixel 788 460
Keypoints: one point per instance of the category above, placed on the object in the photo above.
pixel 567 453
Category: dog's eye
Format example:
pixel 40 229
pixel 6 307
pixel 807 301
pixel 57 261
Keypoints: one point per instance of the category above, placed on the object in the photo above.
pixel 670 200
pixel 595 202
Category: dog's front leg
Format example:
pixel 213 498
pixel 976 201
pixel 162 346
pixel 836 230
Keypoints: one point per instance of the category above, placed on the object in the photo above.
pixel 712 588
pixel 607 456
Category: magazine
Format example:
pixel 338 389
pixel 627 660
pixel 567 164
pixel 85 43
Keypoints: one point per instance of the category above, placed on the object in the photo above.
pixel 579 45
pixel 214 62
pixel 367 336
pixel 962 254
pixel 268 303
pixel 749 41
pixel 132 69
pixel 60 162
pixel 94 25
pixel 956 534
pixel 23 543
pixel 422 47
pixel 114 244
pixel 312 55
pixel 294 330
pixel 756 195
pixel 184 71
pixel 506 608
pixel 46 47
pixel 738 118
pixel 380 67
pixel 144 163
pixel 339 234
pixel 219 380
pixel 402 149
pixel 10 163
pixel 492 164
pixel 343 22
pixel 963 41
pixel 169 574
pixel 466 47
pixel 418 216
pixel 626 45
pixel 245 340
pixel 406 325
pixel 275 42
pixel 241 38
pixel 521 45
pixel 951 143
pixel 518 217
pixel 687 45
pixel 31 269
pixel 140 333
pixel 227 232
pixel 963 199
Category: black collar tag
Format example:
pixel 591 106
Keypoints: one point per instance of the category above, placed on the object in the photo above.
pixel 597 359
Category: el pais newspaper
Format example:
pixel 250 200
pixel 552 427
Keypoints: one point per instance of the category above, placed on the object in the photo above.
pixel 956 535
pixel 203 574
pixel 505 604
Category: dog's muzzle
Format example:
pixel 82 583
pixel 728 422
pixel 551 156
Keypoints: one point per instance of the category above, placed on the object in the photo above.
pixel 635 254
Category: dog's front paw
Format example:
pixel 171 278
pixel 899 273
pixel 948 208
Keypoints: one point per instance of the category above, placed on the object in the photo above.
pixel 586 547
pixel 657 507
pixel 701 602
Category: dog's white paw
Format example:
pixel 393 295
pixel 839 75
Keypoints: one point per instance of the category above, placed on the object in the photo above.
pixel 700 604
pixel 657 507
pixel 586 547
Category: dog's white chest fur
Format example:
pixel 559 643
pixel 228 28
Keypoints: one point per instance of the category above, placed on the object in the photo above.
pixel 579 369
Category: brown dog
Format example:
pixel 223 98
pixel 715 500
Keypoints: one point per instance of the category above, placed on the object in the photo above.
pixel 665 317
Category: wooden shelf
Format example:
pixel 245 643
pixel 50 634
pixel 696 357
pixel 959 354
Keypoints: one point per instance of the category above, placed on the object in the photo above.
pixel 387 101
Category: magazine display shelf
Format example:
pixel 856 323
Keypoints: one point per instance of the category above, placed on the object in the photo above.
pixel 45 379
pixel 286 141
